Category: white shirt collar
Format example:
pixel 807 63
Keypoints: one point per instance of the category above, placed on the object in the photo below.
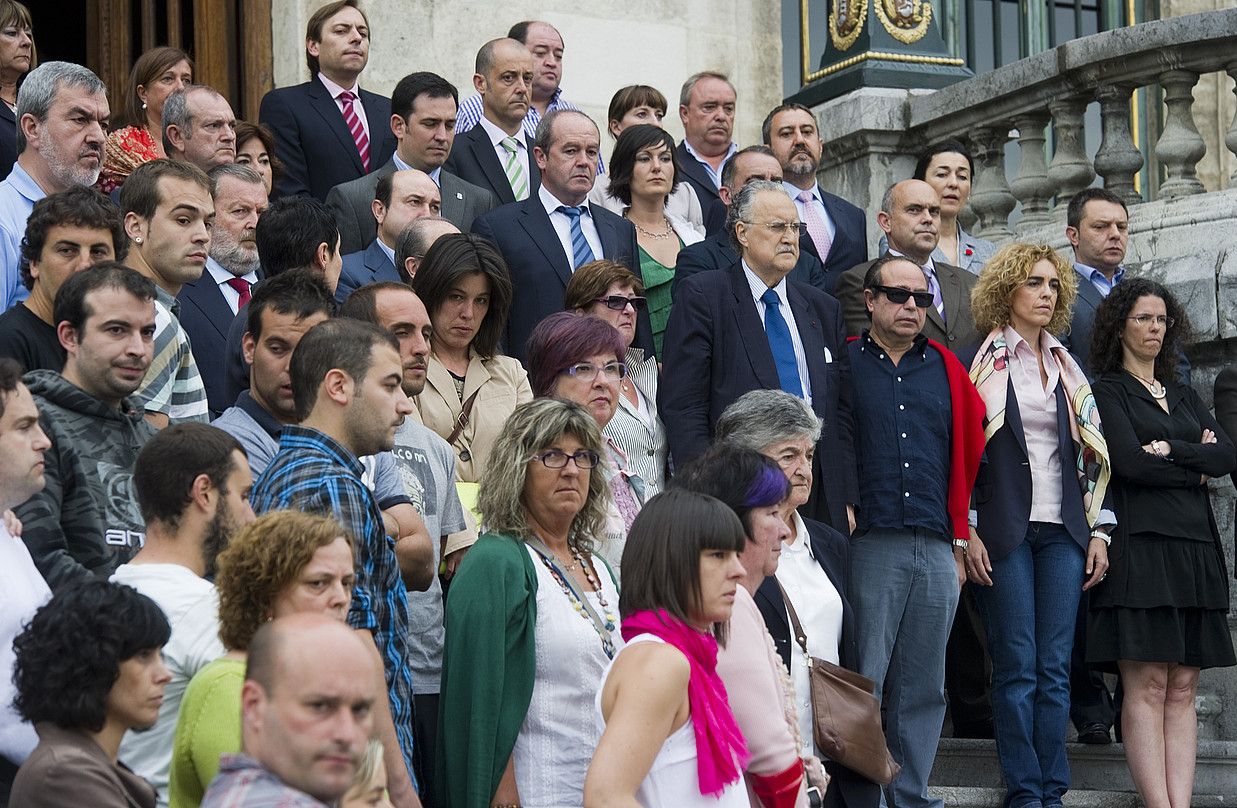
pixel 759 287
pixel 334 89
pixel 928 267
pixel 400 165
pixel 497 136
pixel 221 276
pixel 795 190
pixel 551 203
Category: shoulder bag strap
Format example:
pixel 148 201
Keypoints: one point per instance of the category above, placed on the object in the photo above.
pixel 462 420
pixel 795 626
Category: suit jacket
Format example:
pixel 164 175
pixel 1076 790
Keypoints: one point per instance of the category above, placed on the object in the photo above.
pixel 850 241
pixel 702 183
pixel 474 160
pixel 361 268
pixel 8 140
pixel 717 350
pixel 68 768
pixel 956 285
pixel 715 252
pixel 352 203
pixel 313 142
pixel 540 268
pixel 206 318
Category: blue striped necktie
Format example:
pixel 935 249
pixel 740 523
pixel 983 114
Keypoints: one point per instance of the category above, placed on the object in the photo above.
pixel 581 253
pixel 781 345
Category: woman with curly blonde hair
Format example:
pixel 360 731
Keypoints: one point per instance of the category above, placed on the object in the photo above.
pixel 285 562
pixel 531 619
pixel 1043 507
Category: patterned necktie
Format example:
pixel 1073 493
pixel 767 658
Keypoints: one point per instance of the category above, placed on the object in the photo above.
pixel 935 289
pixel 354 126
pixel 242 288
pixel 581 253
pixel 514 168
pixel 816 227
pixel 780 344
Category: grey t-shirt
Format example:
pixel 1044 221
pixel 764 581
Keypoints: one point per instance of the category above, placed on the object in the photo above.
pixel 427 466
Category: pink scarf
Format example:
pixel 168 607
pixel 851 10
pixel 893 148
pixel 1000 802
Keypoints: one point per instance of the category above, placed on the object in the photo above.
pixel 721 752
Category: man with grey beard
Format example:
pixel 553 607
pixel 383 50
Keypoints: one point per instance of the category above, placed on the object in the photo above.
pixel 209 304
pixel 62 114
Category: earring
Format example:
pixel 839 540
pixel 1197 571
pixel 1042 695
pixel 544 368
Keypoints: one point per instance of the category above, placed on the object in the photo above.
pixel 137 239
pixel 143 105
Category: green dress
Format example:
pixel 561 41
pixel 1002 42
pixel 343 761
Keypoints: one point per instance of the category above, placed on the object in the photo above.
pixel 657 279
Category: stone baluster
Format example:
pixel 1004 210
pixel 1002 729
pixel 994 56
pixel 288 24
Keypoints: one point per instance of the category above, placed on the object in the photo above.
pixel 1031 186
pixel 1180 146
pixel 990 196
pixel 1070 170
pixel 1118 159
pixel 1230 139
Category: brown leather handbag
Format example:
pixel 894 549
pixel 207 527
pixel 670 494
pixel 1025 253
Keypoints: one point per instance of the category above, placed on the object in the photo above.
pixel 846 717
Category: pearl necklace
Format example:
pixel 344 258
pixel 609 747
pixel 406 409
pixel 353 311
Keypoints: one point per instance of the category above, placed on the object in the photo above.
pixel 669 229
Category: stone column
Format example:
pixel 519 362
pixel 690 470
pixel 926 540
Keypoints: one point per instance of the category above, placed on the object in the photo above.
pixel 1117 159
pixel 1230 139
pixel 990 196
pixel 1180 146
pixel 1031 186
pixel 1070 170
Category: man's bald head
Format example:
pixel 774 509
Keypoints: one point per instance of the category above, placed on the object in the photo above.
pixel 276 644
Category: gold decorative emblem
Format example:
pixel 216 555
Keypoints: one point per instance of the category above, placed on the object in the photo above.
pixel 846 21
pixel 906 20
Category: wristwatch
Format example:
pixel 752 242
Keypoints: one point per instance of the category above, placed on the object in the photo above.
pixel 961 543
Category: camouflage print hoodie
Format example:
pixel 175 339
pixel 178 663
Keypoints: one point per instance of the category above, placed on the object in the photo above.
pixel 86 520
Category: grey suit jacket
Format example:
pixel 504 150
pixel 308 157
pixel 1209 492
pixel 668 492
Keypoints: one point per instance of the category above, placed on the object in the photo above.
pixel 352 203
pixel 956 331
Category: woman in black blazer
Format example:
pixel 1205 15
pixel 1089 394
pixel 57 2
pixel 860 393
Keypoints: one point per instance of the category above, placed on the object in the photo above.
pixel 17 58
pixel 812 572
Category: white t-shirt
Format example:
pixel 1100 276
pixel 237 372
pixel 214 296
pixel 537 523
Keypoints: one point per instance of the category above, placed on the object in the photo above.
pixel 22 592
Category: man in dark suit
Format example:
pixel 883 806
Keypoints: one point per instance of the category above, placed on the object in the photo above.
pixel 399 198
pixel 706 108
pixel 199 127
pixel 328 130
pixel 910 215
pixel 495 154
pixel 835 231
pixel 551 234
pixel 209 304
pixel 748 328
pixel 716 252
pixel 423 109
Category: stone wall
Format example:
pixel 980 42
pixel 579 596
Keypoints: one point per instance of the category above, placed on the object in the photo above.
pixel 608 45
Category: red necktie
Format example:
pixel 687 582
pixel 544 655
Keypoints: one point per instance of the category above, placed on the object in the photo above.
pixel 242 288
pixel 354 126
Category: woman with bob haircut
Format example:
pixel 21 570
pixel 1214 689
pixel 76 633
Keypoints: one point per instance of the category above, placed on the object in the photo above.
pixel 1162 614
pixel 138 138
pixel 610 291
pixel 581 359
pixel 531 620
pixel 668 737
pixel 1044 511
pixel 761 693
pixel 88 669
pixel 255 147
pixel 285 562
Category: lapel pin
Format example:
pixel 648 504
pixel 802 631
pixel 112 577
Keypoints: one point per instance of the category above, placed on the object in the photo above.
pixel 458 195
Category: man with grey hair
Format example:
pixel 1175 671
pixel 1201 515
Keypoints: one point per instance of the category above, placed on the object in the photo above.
pixel 62 115
pixel 749 328
pixel 209 304
pixel 706 108
pixel 415 242
pixel 554 232
pixel 919 437
pixel 199 127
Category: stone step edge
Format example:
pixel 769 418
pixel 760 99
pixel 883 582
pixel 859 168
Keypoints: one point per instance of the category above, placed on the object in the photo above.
pixel 973 797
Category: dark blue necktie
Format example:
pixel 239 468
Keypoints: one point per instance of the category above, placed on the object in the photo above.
pixel 779 343
pixel 581 253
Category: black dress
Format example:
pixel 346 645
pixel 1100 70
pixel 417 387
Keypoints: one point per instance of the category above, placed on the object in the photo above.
pixel 1166 594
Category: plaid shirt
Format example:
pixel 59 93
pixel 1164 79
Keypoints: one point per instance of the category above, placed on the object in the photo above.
pixel 243 782
pixel 470 111
pixel 312 472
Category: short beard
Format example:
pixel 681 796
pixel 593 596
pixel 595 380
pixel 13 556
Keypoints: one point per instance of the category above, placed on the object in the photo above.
pixel 230 255
pixel 68 174
pixel 218 534
pixel 799 170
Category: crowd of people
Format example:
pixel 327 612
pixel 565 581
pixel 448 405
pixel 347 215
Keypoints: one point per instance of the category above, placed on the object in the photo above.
pixel 410 451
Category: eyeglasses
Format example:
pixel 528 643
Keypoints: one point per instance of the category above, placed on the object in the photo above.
pixel 584 459
pixel 1145 320
pixel 899 296
pixel 793 228
pixel 618 302
pixel 613 371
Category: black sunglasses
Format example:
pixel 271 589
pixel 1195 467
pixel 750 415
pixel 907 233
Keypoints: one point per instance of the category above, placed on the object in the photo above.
pixel 900 296
pixel 618 302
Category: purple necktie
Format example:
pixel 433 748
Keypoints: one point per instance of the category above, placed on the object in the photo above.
pixel 816 227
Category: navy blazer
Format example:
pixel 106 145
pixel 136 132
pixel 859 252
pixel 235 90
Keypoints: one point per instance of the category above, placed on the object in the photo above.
pixel 540 269
pixel 206 318
pixel 831 550
pixel 8 140
pixel 850 239
pixel 360 268
pixel 716 350
pixel 313 142
pixel 715 252
pixel 474 160
pixel 700 180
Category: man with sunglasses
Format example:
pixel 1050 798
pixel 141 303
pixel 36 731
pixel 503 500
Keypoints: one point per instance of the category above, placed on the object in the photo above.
pixel 918 437
pixel 910 217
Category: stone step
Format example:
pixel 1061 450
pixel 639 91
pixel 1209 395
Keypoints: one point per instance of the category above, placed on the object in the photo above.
pixel 966 797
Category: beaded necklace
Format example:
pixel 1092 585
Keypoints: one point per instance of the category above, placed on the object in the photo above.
pixel 603 626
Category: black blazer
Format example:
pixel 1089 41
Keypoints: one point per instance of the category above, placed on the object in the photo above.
pixel 474 160
pixel 370 265
pixel 716 350
pixel 850 239
pixel 206 318
pixel 715 252
pixel 313 142
pixel 8 140
pixel 706 191
pixel 831 550
pixel 540 268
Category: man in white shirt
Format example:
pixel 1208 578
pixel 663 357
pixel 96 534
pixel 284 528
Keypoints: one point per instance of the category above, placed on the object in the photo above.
pixel 192 483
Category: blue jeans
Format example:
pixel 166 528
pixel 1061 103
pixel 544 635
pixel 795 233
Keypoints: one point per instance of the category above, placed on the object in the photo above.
pixel 904 591
pixel 1029 613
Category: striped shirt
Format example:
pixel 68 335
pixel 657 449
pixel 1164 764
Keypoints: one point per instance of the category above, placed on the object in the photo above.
pixel 172 385
pixel 243 781
pixel 313 472
pixel 470 113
